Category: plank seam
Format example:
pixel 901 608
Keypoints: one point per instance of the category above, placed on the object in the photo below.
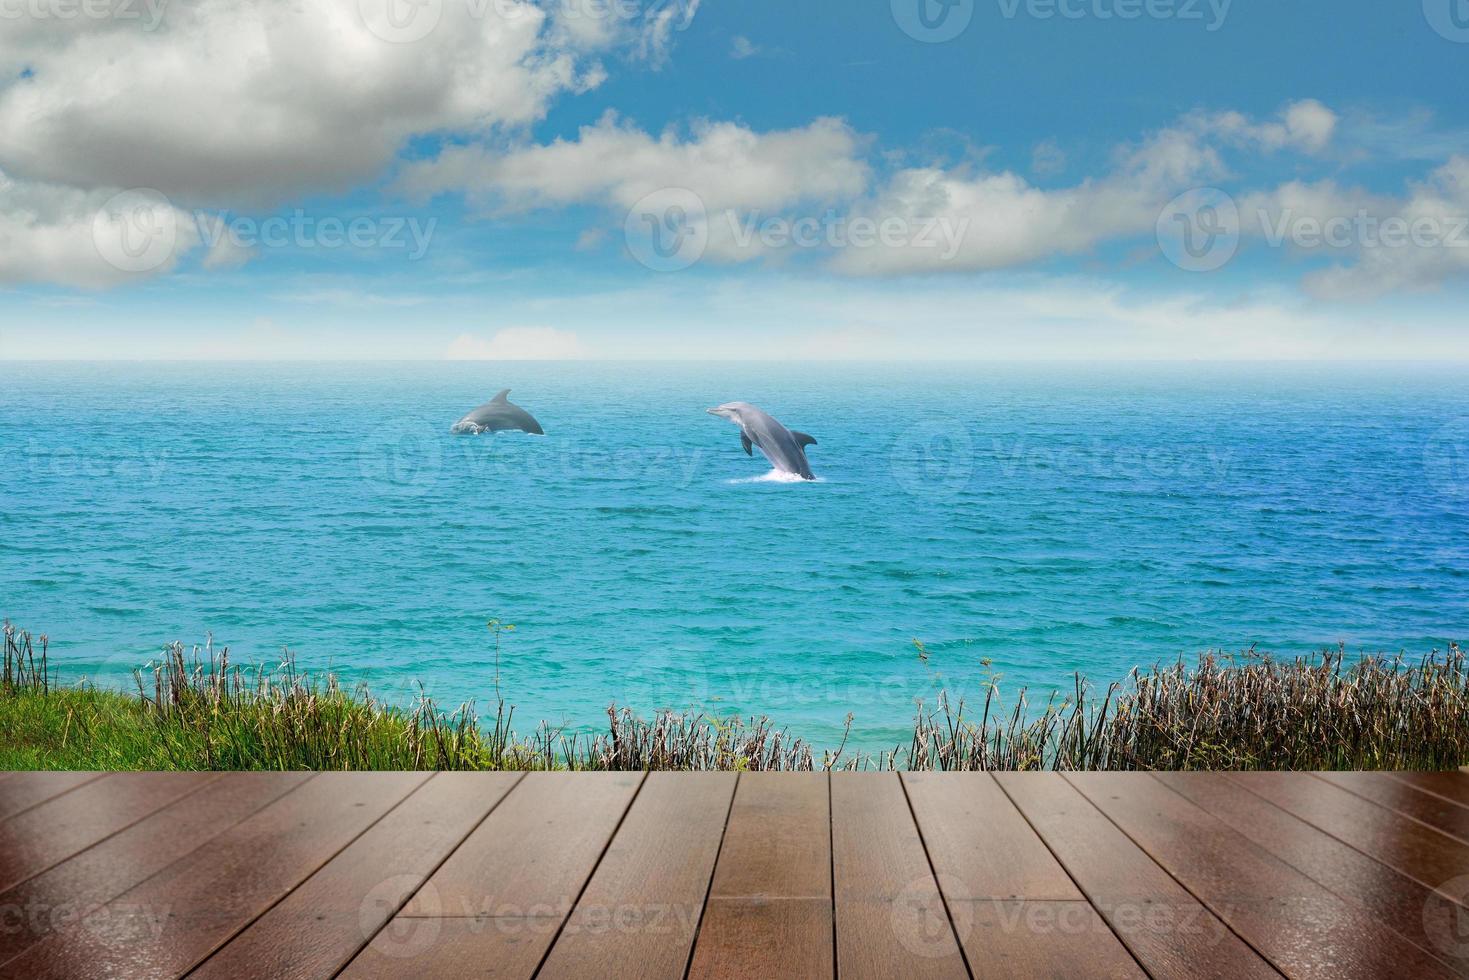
pixel 1085 896
pixel 1462 842
pixel 1349 899
pixel 70 789
pixel 434 870
pixel 933 871
pixel 709 887
pixel 1429 885
pixel 77 853
pixel 591 873
pixel 290 891
pixel 1218 914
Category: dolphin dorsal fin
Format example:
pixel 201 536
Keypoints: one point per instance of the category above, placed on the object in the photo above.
pixel 802 439
pixel 503 396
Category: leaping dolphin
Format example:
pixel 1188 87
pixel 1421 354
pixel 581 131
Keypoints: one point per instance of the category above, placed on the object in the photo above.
pixel 498 415
pixel 784 447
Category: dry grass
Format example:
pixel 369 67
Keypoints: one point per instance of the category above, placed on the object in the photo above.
pixel 194 709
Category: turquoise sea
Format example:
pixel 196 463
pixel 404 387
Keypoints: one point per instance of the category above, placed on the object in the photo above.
pixel 1045 519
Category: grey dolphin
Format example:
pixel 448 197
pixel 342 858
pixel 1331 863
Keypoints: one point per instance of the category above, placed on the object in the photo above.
pixel 498 415
pixel 785 448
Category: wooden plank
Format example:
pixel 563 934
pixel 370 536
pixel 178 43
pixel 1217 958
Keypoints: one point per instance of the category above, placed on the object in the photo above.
pixel 1382 789
pixel 495 906
pixel 770 908
pixel 51 832
pixel 56 898
pixel 1296 923
pixel 1006 861
pixel 1422 853
pixel 1168 931
pixel 1396 900
pixel 1452 786
pixel 323 924
pixel 174 920
pixel 641 910
pixel 1014 908
pixel 890 918
pixel 30 789
pixel 1022 940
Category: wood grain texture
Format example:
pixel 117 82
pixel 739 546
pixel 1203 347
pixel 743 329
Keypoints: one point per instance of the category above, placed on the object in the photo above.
pixel 34 788
pixel 1394 899
pixel 53 831
pixel 1451 786
pixel 979 844
pixel 1296 923
pixel 322 925
pixel 770 904
pixel 640 912
pixel 171 922
pixel 1030 940
pixel 1404 798
pixel 497 904
pixel 56 898
pixel 1424 854
pixel 1168 931
pixel 890 918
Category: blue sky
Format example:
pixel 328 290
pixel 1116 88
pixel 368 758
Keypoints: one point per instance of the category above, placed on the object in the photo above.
pixel 1050 178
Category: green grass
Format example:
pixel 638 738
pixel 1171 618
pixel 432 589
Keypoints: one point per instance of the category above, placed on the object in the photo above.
pixel 194 710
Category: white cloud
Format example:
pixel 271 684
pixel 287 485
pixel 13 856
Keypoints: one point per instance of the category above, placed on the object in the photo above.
pixel 55 234
pixel 518 344
pixel 250 103
pixel 660 22
pixel 742 47
pixel 726 164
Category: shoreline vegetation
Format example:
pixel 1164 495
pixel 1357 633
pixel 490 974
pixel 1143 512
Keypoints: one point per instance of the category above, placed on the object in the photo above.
pixel 195 710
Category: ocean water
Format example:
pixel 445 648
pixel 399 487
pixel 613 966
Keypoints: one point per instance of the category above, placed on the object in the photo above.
pixel 1022 521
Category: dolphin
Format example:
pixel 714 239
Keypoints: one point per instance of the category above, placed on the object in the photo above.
pixel 785 448
pixel 498 415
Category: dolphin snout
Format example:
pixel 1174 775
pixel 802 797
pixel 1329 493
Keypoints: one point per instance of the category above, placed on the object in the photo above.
pixel 712 411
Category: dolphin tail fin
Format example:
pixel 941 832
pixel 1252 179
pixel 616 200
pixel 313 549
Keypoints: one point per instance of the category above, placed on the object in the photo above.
pixel 749 446
pixel 503 396
pixel 802 439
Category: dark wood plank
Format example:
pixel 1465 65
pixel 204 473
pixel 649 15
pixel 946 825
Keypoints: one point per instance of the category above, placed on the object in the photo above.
pixel 1168 931
pixel 51 832
pixel 770 908
pixel 890 917
pixel 174 920
pixel 1296 923
pixel 510 885
pixel 1396 900
pixel 1026 940
pixel 641 910
pixel 30 789
pixel 1426 855
pixel 980 845
pixel 1013 906
pixel 1452 786
pixel 1396 795
pixel 56 898
pixel 323 924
